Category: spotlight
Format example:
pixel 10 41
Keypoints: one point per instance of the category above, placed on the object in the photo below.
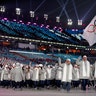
pixel 18 11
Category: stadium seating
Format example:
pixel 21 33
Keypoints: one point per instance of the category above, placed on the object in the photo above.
pixel 36 32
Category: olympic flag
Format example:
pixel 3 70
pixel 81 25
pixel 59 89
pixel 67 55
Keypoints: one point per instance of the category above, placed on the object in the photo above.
pixel 90 32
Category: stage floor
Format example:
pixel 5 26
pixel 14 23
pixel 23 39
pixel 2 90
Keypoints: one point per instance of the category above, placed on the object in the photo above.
pixel 45 92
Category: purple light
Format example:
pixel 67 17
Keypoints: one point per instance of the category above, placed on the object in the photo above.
pixel 14 19
pixel 2 19
pixel 5 18
pixel 20 21
pixel 47 26
pixel 60 28
pixel 35 23
pixel 42 25
pixel 55 28
pixel 28 22
pixel 73 29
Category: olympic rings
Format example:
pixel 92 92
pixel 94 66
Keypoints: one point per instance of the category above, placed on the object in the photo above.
pixel 92 28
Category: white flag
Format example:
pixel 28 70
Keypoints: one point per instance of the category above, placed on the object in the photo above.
pixel 90 32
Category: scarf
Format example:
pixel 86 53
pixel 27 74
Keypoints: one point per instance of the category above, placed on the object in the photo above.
pixel 36 73
pixel 85 69
pixel 65 72
pixel 76 74
pixel 95 71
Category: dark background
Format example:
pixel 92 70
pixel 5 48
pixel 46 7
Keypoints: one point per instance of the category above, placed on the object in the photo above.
pixel 85 9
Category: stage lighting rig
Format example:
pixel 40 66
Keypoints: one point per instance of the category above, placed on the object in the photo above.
pixel 18 11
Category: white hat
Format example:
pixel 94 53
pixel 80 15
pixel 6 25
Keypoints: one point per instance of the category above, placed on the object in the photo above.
pixel 37 65
pixel 17 64
pixel 84 56
pixel 68 59
pixel 41 65
pixel 48 65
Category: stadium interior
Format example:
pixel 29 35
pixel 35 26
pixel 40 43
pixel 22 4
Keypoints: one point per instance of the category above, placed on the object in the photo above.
pixel 39 39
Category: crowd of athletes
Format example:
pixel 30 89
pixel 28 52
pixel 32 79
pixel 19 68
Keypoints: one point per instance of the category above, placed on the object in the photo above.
pixel 15 75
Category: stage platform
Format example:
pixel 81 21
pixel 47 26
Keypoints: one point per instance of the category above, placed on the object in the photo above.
pixel 45 92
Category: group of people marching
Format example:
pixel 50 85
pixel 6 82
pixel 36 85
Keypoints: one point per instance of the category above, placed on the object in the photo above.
pixel 61 76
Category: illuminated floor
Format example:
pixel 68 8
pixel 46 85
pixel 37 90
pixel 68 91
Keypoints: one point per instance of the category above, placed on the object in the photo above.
pixel 45 92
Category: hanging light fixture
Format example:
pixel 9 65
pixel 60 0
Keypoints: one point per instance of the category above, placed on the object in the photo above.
pixel 70 22
pixel 18 11
pixel 79 22
pixel 58 19
pixel 46 16
pixel 2 8
pixel 32 14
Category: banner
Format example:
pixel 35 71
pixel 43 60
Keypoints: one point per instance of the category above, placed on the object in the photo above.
pixel 90 32
pixel 24 45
